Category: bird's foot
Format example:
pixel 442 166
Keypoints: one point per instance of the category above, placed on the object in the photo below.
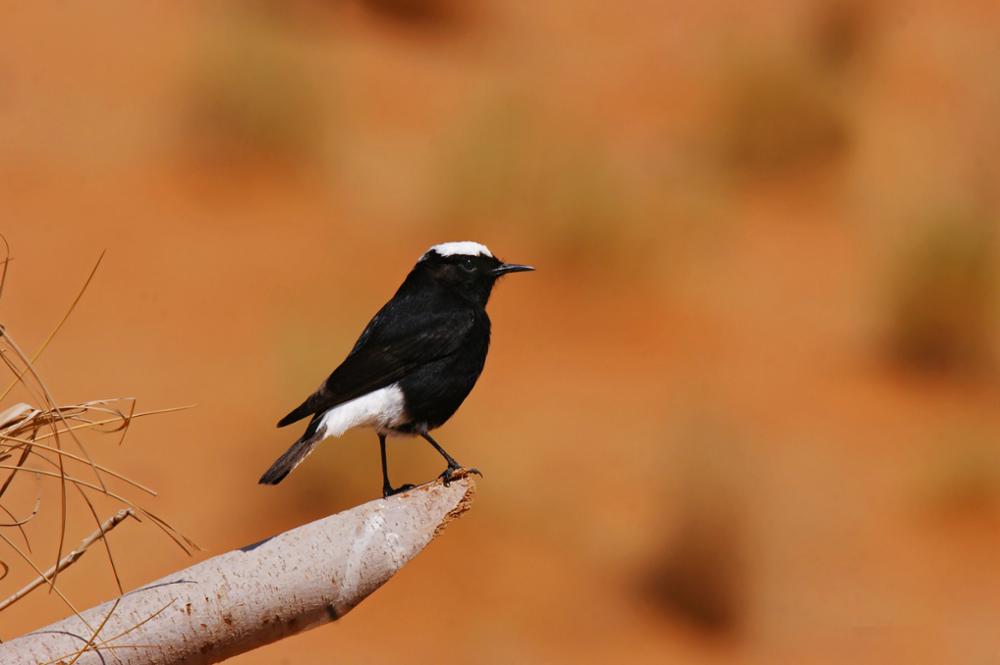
pixel 457 472
pixel 388 490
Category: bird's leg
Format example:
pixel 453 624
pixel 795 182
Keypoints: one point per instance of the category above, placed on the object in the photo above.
pixel 449 474
pixel 387 489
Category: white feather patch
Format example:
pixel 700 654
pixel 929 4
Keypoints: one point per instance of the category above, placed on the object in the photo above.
pixel 381 409
pixel 466 247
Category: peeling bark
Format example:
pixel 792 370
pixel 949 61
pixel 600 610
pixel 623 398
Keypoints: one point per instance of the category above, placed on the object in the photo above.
pixel 257 594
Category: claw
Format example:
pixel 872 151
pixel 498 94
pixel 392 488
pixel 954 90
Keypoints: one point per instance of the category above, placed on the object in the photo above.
pixel 390 491
pixel 457 473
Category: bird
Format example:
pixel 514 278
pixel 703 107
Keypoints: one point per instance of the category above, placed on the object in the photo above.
pixel 413 365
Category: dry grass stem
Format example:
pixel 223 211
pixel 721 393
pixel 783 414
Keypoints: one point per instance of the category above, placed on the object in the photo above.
pixel 70 558
pixel 38 418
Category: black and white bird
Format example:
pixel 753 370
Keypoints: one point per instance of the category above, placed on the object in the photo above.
pixel 415 362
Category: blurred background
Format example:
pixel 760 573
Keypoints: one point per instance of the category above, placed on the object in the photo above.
pixel 745 410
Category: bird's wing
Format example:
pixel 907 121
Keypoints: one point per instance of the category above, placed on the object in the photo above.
pixel 388 350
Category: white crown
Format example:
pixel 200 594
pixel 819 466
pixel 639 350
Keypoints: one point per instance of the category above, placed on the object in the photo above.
pixel 466 247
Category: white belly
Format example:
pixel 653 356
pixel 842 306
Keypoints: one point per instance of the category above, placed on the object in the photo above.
pixel 381 409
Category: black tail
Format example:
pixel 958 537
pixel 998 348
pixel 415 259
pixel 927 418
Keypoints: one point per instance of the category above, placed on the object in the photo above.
pixel 292 458
pixel 300 412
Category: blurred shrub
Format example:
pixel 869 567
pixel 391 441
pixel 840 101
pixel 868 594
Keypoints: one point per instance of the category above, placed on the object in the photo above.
pixel 944 297
pixel 250 98
pixel 700 578
pixel 965 481
pixel 699 575
pixel 506 171
pixel 840 32
pixel 420 13
pixel 779 117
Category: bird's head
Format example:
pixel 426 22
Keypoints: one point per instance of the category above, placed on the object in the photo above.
pixel 466 267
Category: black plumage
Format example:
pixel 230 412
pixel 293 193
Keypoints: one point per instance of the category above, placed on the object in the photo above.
pixel 415 362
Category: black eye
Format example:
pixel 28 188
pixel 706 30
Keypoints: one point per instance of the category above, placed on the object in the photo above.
pixel 468 265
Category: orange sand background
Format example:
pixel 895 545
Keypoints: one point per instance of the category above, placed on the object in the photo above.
pixel 696 446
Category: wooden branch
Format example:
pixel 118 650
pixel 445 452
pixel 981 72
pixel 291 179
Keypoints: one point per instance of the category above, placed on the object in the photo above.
pixel 257 594
pixel 70 558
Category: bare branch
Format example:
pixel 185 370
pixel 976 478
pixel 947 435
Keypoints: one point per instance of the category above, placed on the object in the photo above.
pixel 257 594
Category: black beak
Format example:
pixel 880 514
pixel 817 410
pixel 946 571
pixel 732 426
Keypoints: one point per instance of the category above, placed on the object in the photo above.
pixel 505 268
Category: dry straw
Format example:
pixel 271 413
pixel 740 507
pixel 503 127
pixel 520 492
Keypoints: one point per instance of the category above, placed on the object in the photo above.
pixel 48 443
